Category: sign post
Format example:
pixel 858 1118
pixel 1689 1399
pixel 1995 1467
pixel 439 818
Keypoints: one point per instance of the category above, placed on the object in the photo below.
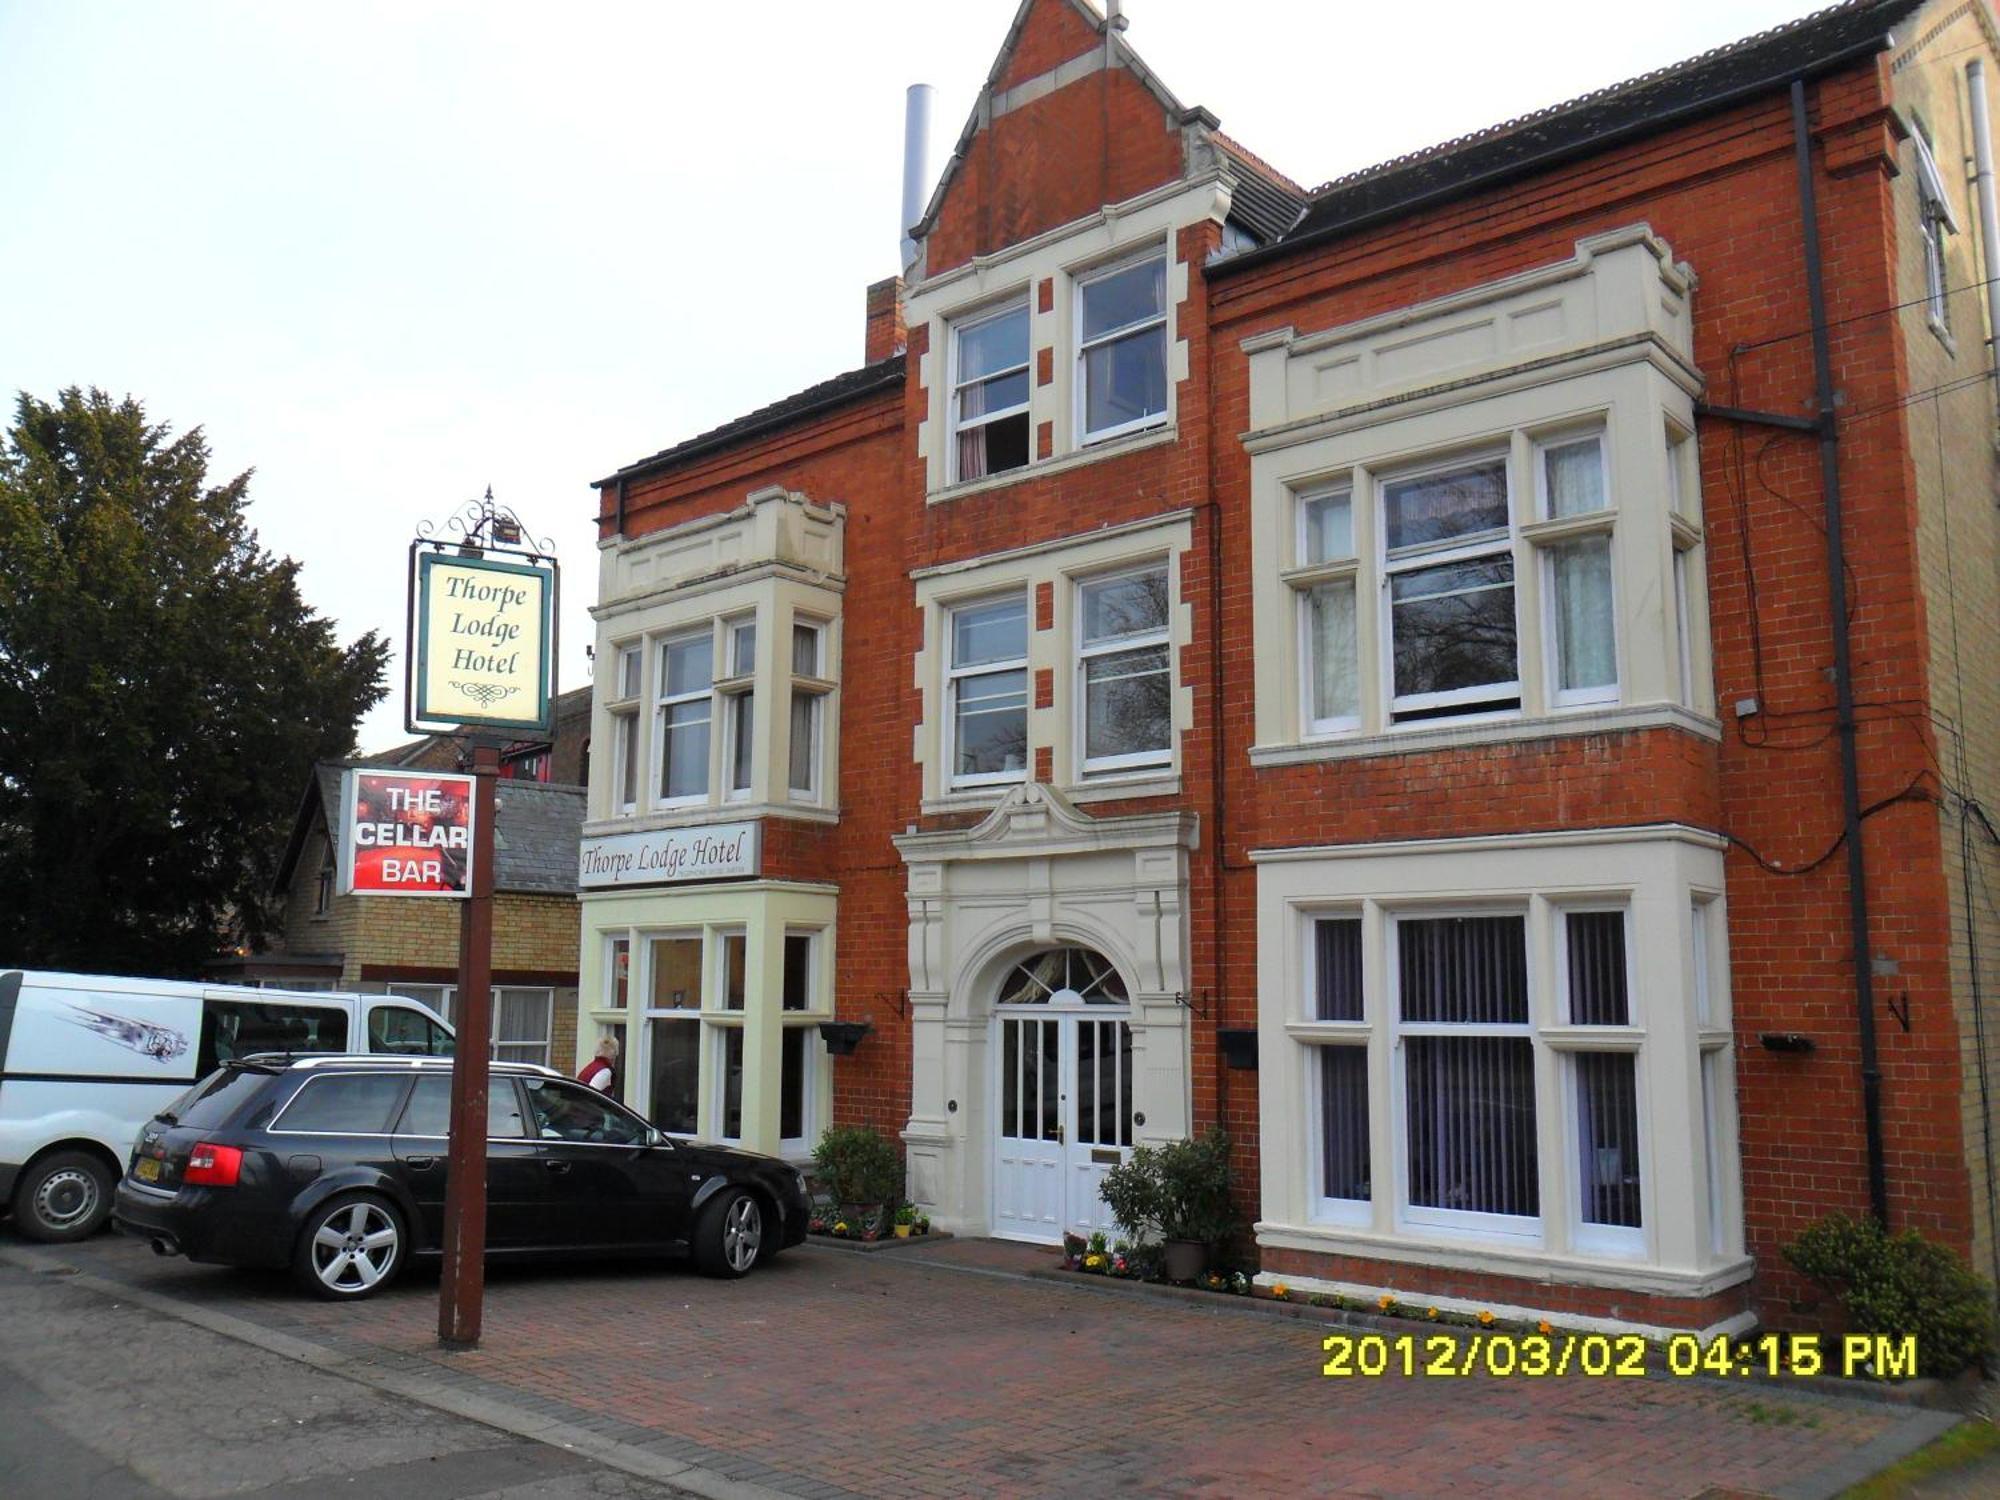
pixel 481 665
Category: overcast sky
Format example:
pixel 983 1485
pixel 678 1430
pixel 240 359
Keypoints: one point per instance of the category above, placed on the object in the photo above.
pixel 388 255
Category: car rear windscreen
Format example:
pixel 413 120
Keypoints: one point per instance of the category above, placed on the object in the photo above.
pixel 215 1100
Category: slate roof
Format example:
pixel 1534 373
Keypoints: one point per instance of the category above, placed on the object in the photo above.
pixel 1266 202
pixel 1715 80
pixel 537 830
pixel 828 395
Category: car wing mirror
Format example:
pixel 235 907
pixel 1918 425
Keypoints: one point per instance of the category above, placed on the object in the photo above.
pixel 658 1140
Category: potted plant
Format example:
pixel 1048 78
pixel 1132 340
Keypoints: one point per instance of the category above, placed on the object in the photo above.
pixel 1180 1192
pixel 863 1174
pixel 923 1223
pixel 906 1221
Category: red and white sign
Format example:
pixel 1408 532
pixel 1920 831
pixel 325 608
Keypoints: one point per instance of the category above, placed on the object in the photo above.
pixel 405 833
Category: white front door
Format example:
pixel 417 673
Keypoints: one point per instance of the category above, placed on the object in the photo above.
pixel 1064 1092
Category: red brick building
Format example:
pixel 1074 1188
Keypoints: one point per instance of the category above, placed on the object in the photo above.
pixel 1362 665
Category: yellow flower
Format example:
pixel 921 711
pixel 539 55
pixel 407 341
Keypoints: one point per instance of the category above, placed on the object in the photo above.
pixel 1545 1326
pixel 1486 1320
pixel 841 1227
pixel 1432 1314
pixel 1281 1291
pixel 1093 1261
pixel 1385 1301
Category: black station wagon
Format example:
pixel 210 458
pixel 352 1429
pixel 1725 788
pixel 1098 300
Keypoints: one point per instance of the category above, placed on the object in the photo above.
pixel 335 1167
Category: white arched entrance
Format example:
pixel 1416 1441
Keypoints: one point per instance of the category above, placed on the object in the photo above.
pixel 1062 1086
pixel 1048 1020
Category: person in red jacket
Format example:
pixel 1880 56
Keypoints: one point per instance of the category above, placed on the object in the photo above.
pixel 601 1072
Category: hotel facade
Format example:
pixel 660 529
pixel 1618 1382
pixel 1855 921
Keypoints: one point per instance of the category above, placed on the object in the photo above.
pixel 1474 676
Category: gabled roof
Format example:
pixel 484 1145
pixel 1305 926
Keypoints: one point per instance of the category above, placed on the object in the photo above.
pixel 537 830
pixel 1715 80
pixel 1093 18
pixel 853 385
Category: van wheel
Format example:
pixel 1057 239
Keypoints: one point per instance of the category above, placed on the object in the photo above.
pixel 63 1197
pixel 729 1235
pixel 350 1248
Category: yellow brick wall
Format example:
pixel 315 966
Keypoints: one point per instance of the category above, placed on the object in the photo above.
pixel 1952 442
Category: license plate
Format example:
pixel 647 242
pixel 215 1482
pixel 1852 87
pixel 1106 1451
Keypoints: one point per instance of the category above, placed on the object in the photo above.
pixel 147 1169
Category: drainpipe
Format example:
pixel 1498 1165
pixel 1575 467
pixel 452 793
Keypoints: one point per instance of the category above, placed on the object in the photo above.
pixel 1982 191
pixel 1843 672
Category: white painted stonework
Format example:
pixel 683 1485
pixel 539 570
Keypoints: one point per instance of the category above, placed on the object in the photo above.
pixel 1036 873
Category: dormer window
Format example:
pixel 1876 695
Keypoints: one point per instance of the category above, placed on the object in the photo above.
pixel 1122 348
pixel 989 396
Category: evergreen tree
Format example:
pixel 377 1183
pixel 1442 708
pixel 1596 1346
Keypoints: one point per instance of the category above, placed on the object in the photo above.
pixel 164 691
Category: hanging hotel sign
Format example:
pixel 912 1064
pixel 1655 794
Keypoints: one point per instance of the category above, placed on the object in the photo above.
pixel 482 641
pixel 405 833
pixel 714 851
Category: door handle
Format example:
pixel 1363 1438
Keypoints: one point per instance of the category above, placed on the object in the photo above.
pixel 556 1166
pixel 420 1163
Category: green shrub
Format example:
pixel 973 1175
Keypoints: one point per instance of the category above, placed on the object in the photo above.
pixel 1179 1191
pixel 1898 1285
pixel 857 1165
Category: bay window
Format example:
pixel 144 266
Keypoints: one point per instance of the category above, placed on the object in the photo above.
pixel 989 393
pixel 988 689
pixel 1125 666
pixel 1122 348
pixel 1479 1060
pixel 686 706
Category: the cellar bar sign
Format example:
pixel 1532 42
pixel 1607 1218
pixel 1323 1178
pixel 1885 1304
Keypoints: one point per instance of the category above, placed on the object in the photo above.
pixel 484 640
pixel 405 833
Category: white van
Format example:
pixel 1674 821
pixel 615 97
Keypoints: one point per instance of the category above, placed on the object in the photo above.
pixel 87 1059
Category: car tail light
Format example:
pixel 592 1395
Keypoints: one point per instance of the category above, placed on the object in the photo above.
pixel 210 1165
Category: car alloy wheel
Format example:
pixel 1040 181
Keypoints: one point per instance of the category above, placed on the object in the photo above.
pixel 742 1234
pixel 355 1249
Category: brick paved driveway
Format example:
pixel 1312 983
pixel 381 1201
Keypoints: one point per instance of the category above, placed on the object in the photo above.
pixel 934 1371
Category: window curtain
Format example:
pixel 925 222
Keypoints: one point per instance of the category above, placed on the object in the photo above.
pixel 972 445
pixel 1584 635
pixel 1335 692
pixel 1575 474
pixel 1607 1118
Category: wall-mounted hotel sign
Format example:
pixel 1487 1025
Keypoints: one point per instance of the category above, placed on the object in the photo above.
pixel 405 833
pixel 713 851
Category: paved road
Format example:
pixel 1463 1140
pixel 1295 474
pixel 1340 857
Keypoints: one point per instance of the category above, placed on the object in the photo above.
pixel 943 1371
pixel 102 1399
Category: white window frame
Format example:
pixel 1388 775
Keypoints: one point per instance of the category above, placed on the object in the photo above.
pixel 1081 282
pixel 639 1070
pixel 790 1145
pixel 1307 575
pixel 953 426
pixel 1506 1228
pixel 815 688
pixel 663 701
pixel 1086 652
pixel 954 675
pixel 1422 556
pixel 547 1039
pixel 1570 1038
pixel 736 699
pixel 627 689
pixel 1549 536
pixel 1316 1035
pixel 1935 220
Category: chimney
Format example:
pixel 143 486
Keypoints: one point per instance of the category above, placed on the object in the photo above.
pixel 916 165
pixel 885 319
